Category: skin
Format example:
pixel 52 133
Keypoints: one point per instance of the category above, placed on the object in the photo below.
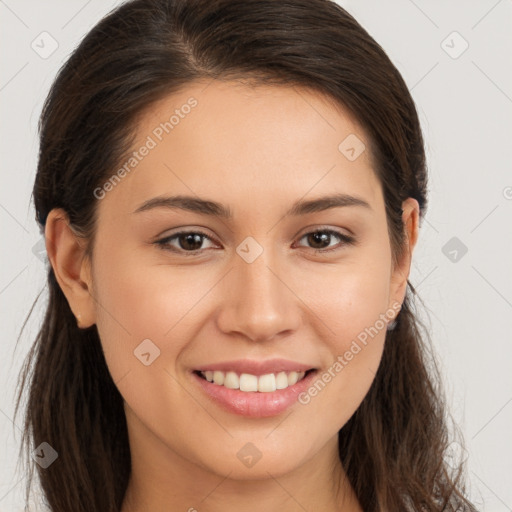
pixel 256 150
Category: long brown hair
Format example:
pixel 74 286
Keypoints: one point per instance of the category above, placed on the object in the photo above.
pixel 394 447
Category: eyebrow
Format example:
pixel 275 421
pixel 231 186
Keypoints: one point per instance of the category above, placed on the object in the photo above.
pixel 215 209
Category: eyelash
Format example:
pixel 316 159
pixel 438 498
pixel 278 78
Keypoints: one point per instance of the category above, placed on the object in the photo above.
pixel 164 242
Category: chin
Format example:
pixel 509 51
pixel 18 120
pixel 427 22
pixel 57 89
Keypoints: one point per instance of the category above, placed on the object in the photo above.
pixel 253 460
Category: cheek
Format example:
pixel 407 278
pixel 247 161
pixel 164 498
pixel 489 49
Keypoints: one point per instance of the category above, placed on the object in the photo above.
pixel 352 309
pixel 146 315
pixel 136 302
pixel 347 298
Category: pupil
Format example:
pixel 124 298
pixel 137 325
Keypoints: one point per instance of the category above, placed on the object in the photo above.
pixel 320 237
pixel 191 241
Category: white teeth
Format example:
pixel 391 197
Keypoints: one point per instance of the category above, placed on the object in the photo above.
pixel 281 380
pixel 267 383
pixel 250 383
pixel 218 378
pixel 293 377
pixel 232 381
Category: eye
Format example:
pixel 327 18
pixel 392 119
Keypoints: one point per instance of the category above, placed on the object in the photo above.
pixel 323 237
pixel 188 242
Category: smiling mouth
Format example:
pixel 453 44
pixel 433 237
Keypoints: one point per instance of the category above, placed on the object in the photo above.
pixel 249 383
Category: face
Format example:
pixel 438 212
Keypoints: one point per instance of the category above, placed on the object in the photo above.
pixel 280 282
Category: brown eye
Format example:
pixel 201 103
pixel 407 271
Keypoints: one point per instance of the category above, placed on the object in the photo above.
pixel 320 240
pixel 190 241
pixel 187 242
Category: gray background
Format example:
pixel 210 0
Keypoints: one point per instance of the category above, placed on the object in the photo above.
pixel 464 99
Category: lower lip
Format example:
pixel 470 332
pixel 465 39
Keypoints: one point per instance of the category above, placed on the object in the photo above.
pixel 255 404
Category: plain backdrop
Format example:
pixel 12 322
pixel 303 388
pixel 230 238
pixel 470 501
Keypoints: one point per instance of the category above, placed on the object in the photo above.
pixel 456 58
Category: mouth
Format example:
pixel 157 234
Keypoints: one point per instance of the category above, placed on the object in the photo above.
pixel 249 383
pixel 254 389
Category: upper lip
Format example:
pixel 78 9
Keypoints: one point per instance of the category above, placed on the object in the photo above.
pixel 255 367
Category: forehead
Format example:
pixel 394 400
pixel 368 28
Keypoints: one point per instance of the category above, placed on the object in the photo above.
pixel 245 144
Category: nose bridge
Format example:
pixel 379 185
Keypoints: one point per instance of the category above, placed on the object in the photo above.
pixel 258 303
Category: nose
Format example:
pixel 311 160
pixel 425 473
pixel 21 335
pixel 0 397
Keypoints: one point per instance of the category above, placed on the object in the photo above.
pixel 259 303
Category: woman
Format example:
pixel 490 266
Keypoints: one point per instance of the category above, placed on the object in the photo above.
pixel 230 193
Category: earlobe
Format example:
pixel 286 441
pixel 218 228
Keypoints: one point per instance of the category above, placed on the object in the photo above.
pixel 66 252
pixel 400 274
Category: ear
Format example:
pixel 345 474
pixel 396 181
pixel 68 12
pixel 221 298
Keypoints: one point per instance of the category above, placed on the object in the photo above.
pixel 66 252
pixel 400 273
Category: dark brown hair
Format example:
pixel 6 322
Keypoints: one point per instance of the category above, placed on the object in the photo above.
pixel 393 447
